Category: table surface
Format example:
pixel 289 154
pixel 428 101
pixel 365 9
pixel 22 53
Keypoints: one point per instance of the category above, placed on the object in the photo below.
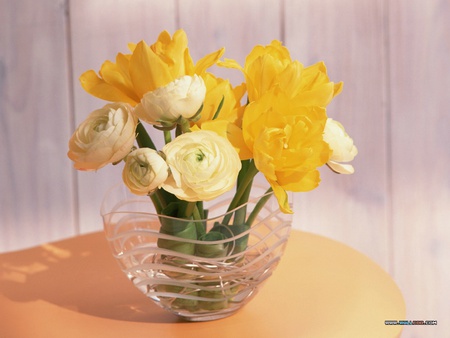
pixel 74 288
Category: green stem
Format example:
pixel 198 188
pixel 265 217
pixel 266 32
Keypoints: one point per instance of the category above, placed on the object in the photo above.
pixel 200 226
pixel 258 207
pixel 183 126
pixel 187 210
pixel 142 137
pixel 239 216
pixel 167 136
pixel 161 200
pixel 200 209
pixel 144 141
pixel 156 202
pixel 244 184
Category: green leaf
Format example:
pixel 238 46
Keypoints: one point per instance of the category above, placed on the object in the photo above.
pixel 212 250
pixel 178 227
pixel 219 108
pixel 238 245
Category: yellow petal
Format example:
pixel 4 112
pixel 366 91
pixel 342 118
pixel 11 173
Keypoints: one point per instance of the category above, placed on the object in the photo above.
pixel 218 89
pixel 207 61
pixel 282 197
pixel 174 52
pixel 299 181
pixel 118 77
pixel 318 96
pixel 275 49
pixel 232 132
pixel 96 86
pixel 131 46
pixel 230 63
pixel 338 88
pixel 147 70
pixel 261 76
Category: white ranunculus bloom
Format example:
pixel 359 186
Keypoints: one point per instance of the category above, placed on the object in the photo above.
pixel 145 170
pixel 342 146
pixel 203 166
pixel 182 97
pixel 106 136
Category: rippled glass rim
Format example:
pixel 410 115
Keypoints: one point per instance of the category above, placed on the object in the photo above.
pixel 131 198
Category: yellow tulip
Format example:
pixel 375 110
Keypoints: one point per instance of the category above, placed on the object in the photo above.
pixel 287 143
pixel 271 68
pixel 146 69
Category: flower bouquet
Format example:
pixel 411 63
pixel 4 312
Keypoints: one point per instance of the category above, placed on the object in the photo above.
pixel 193 253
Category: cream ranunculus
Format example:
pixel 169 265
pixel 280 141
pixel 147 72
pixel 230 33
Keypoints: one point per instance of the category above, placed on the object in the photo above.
pixel 180 98
pixel 342 146
pixel 203 166
pixel 106 136
pixel 145 170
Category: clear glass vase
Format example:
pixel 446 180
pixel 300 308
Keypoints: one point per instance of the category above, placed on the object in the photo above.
pixel 197 279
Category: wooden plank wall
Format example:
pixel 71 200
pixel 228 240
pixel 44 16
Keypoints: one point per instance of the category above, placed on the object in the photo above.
pixel 391 55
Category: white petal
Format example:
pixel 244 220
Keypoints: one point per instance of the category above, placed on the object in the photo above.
pixel 341 168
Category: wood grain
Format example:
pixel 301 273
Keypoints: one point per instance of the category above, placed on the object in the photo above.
pixel 234 24
pixel 99 32
pixel 36 182
pixel 351 208
pixel 420 78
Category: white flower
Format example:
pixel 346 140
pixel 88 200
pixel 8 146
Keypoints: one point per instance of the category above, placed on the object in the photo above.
pixel 203 165
pixel 106 136
pixel 180 98
pixel 342 146
pixel 144 171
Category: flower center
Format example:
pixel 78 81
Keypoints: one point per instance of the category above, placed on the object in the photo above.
pixel 200 155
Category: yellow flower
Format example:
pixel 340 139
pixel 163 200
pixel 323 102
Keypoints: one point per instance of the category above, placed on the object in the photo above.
pixel 216 90
pixel 287 144
pixel 146 69
pixel 271 68
pixel 228 122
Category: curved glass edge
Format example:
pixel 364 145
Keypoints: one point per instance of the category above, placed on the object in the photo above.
pixel 118 198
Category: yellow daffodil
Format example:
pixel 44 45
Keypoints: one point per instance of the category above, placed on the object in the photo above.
pixel 271 68
pixel 146 69
pixel 286 141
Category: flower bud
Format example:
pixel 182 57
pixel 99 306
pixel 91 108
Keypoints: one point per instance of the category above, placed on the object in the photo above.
pixel 165 105
pixel 342 146
pixel 144 171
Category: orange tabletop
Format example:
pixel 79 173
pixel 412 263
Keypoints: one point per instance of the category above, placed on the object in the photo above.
pixel 74 288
